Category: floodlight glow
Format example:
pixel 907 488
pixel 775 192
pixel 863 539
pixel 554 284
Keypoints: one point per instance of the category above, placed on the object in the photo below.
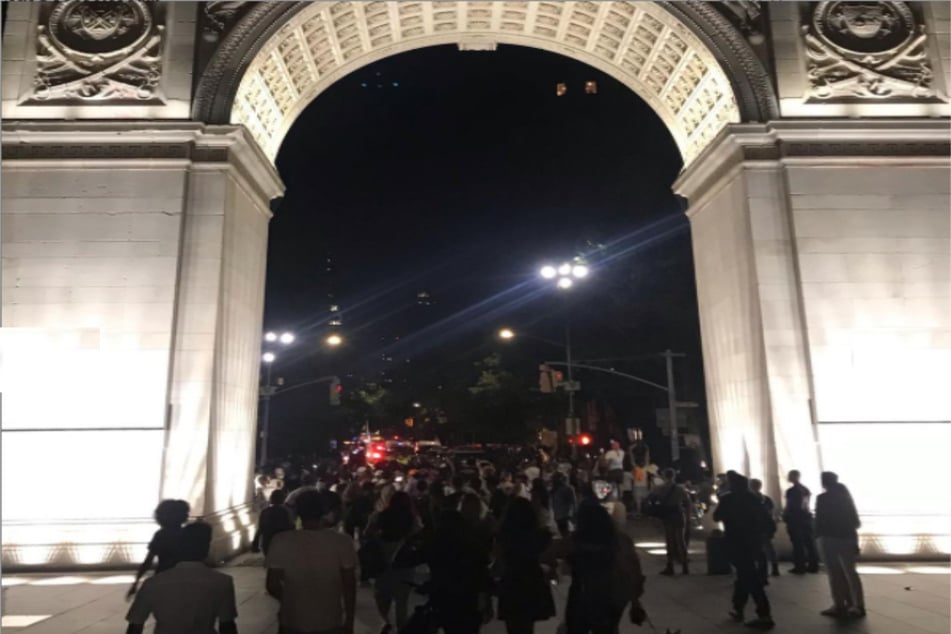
pixel 651 545
pixel 334 340
pixel 268 357
pixel 270 336
pixel 877 570
pixel 548 272
pixel 60 581
pixel 13 581
pixel 22 620
pixel 287 338
pixel 929 570
pixel 114 580
pixel 657 551
pixel 507 333
pixel 564 269
pixel 565 282
pixel 579 271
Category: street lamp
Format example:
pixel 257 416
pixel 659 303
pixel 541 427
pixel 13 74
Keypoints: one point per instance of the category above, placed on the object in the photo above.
pixel 268 390
pixel 506 333
pixel 334 340
pixel 567 273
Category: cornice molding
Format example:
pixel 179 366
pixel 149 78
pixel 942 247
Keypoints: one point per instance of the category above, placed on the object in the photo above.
pixel 780 143
pixel 150 141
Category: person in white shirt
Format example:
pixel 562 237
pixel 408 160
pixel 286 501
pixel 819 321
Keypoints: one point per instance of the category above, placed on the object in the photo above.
pixel 312 572
pixel 189 598
pixel 614 463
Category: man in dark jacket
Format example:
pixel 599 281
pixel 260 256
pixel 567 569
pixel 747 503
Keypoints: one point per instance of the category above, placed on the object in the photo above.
pixel 837 524
pixel 744 521
pixel 798 520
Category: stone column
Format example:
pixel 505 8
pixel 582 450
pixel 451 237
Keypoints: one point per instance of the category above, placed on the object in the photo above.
pixel 822 253
pixel 133 277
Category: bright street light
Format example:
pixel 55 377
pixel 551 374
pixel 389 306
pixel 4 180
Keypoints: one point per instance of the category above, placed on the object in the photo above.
pixel 270 336
pixel 579 270
pixel 564 269
pixel 506 333
pixel 334 340
pixel 548 272
pixel 565 282
pixel 268 357
pixel 287 338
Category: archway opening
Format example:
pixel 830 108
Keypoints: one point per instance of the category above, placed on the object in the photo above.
pixel 423 193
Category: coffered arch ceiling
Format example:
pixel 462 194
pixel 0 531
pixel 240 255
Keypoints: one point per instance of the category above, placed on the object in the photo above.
pixel 683 59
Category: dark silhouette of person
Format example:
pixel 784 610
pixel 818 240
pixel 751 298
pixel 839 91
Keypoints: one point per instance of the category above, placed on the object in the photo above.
pixel 277 517
pixel 189 598
pixel 798 520
pixel 837 524
pixel 674 501
pixel 605 573
pixel 170 515
pixel 744 522
pixel 394 526
pixel 524 591
pixel 767 557
pixel 459 576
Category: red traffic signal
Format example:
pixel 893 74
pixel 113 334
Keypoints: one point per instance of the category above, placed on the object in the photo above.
pixel 584 439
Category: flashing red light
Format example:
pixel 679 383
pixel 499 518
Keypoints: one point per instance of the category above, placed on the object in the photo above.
pixel 338 388
pixel 584 440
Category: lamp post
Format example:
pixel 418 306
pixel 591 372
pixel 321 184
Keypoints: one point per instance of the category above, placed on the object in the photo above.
pixel 565 276
pixel 267 390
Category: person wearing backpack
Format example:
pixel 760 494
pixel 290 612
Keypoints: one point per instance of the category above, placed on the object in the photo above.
pixel 669 503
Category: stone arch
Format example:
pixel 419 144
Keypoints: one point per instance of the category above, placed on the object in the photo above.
pixel 685 59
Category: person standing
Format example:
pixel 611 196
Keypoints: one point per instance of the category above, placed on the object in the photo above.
pixel 524 592
pixel 189 598
pixel 395 527
pixel 276 518
pixel 743 521
pixel 670 501
pixel 767 556
pixel 563 503
pixel 837 524
pixel 614 465
pixel 459 576
pixel 798 518
pixel 312 572
pixel 605 573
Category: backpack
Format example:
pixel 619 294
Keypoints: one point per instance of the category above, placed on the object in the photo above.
pixel 660 507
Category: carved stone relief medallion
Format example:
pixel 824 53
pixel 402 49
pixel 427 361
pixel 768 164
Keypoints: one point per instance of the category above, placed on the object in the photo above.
pixel 99 52
pixel 867 50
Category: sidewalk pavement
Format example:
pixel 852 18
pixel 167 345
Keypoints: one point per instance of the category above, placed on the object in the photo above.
pixel 908 598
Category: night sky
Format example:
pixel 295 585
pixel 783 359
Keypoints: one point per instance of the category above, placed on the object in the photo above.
pixel 459 174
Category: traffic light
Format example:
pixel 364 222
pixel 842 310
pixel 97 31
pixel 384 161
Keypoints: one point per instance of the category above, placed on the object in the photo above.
pixel 584 439
pixel 335 391
pixel 545 383
pixel 557 378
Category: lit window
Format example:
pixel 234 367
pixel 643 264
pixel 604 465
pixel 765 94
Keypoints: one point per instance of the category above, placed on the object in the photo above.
pixel 334 308
pixel 561 89
pixel 591 88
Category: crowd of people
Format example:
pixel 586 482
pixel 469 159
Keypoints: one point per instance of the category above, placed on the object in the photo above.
pixel 488 541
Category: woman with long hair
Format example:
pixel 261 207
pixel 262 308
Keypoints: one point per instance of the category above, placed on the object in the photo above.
pixel 605 573
pixel 524 591
pixel 395 527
